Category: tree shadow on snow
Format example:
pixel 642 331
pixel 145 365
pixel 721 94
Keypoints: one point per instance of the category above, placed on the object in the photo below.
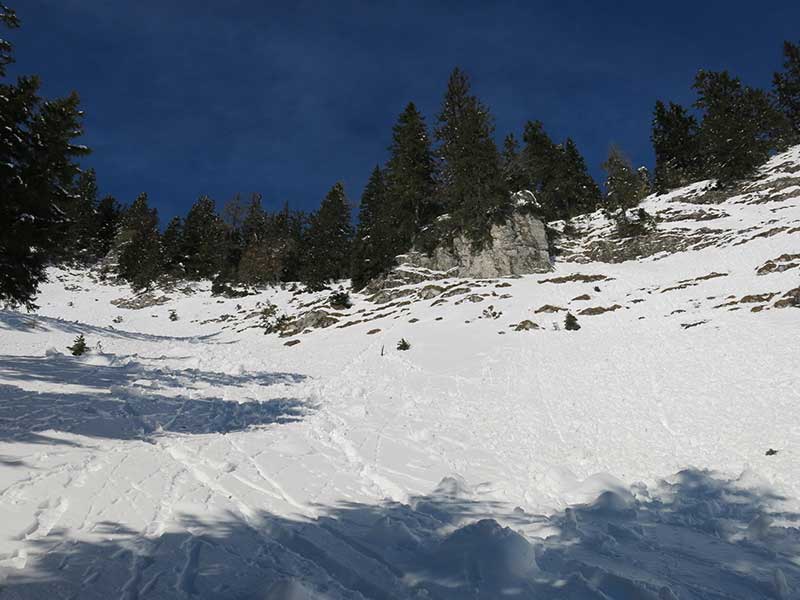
pixel 702 536
pixel 24 415
pixel 61 369
pixel 15 321
pixel 123 402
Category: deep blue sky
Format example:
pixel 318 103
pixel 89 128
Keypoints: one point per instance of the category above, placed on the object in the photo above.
pixel 184 97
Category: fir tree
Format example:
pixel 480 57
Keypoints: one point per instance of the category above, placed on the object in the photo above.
pixel 203 240
pixel 571 322
pixel 623 186
pixel 233 215
pixel 327 241
pixel 139 244
pixel 557 175
pixel 675 137
pixel 471 185
pixel 513 170
pixel 575 189
pixel 38 169
pixel 257 265
pixel 372 250
pixel 540 157
pixel 740 126
pixel 108 218
pixel 787 89
pixel 78 346
pixel 172 246
pixel 81 220
pixel 409 180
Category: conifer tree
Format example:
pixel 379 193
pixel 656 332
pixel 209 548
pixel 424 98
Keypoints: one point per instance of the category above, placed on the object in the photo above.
pixel 787 89
pixel 254 224
pixel 675 137
pixel 172 246
pixel 327 241
pixel 577 191
pixel 471 185
pixel 289 229
pixel 740 126
pixel 38 167
pixel 108 218
pixel 372 255
pixel 139 244
pixel 81 221
pixel 233 215
pixel 623 185
pixel 203 240
pixel 409 185
pixel 513 170
pixel 557 174
pixel 540 157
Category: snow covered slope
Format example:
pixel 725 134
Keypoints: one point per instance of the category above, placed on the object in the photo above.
pixel 500 456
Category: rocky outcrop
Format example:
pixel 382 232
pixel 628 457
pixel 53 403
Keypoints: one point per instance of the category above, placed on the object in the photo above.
pixel 518 247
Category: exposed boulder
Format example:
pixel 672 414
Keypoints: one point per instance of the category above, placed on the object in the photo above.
pixel 518 247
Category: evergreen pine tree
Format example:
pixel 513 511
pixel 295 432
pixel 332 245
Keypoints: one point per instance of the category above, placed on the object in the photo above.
pixel 78 346
pixel 372 255
pixel 645 181
pixel 254 224
pixel 540 157
pixel 139 244
pixel 38 168
pixel 108 219
pixel 172 246
pixel 557 175
pixel 675 137
pixel 740 126
pixel 233 215
pixel 623 186
pixel 409 184
pixel 577 191
pixel 513 170
pixel 203 240
pixel 82 221
pixel 327 241
pixel 471 185
pixel 787 89
pixel 255 266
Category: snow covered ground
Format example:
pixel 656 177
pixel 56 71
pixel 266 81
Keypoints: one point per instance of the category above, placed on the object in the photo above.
pixel 501 456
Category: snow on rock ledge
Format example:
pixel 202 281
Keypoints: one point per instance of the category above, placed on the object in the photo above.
pixel 519 247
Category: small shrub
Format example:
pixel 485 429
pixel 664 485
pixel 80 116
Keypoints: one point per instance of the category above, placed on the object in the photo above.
pixel 271 320
pixel 634 226
pixel 173 315
pixel 491 313
pixel 221 288
pixel 78 346
pixel 403 344
pixel 340 300
pixel 117 319
pixel 571 322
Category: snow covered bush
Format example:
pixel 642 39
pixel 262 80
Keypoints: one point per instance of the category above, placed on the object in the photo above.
pixel 173 315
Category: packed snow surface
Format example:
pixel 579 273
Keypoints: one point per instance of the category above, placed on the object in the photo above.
pixel 651 454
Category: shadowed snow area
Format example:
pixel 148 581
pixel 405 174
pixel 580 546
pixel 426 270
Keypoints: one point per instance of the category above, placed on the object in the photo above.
pixel 651 454
pixel 694 536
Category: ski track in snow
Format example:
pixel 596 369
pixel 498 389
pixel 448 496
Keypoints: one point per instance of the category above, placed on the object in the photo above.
pixel 202 459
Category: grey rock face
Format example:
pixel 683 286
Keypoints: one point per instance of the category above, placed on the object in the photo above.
pixel 519 246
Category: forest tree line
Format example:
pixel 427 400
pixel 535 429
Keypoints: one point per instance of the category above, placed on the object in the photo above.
pixel 453 179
